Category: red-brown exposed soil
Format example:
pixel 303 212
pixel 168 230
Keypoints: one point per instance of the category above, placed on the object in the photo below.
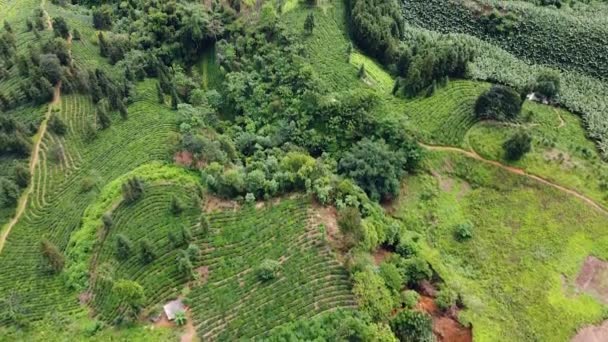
pixel 445 326
pixel 592 333
pixel 183 158
pixel 381 254
pixel 593 278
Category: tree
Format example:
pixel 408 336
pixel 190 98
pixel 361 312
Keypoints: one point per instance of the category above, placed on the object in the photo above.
pixel 107 220
pixel 499 103
pixel 268 269
pixel 174 99
pixel 57 125
pixel 132 189
pixel 52 258
pixel 8 27
pixel 184 265
pixel 412 326
pixel 185 234
pixel 76 35
pixel 375 167
pixel 177 205
pixel 204 224
pixel 60 27
pixel 547 84
pixel 194 252
pixel 22 175
pixel 124 247
pixel 518 145
pixel 102 17
pixel 122 109
pixel 349 222
pixel 103 45
pixel 103 118
pixel 159 93
pixel 129 296
pixel 309 23
pixel 373 295
pixel 361 73
pixel 146 251
pixel 50 67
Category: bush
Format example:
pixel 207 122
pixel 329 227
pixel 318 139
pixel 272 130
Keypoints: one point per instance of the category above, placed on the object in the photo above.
pixel 132 189
pixel 547 84
pixel 268 269
pixel 410 298
pixel 518 145
pixel 375 167
pixel 499 103
pixel 416 270
pixel 446 299
pixel 463 231
pixel 372 294
pixel 57 125
pixel 107 220
pixel 22 175
pixel 124 247
pixel 177 205
pixel 393 278
pixel 349 222
pixel 146 251
pixel 52 258
pixel 412 326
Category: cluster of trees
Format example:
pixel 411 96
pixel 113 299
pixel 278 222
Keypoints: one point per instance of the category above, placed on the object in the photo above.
pixel 498 103
pixel 169 30
pixel 132 189
pixel 378 28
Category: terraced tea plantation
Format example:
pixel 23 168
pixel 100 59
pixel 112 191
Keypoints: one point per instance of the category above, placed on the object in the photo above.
pixel 228 300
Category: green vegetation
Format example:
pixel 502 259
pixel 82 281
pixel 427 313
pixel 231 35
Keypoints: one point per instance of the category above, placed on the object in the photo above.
pixel 338 170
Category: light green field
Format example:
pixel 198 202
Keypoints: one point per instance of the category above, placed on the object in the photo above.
pixel 529 241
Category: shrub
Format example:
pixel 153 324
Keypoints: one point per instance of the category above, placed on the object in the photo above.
pixel 204 224
pixel 268 269
pixel 518 145
pixel 407 248
pixel 499 103
pixel 22 175
pixel 412 326
pixel 463 231
pixel 180 318
pixel 194 252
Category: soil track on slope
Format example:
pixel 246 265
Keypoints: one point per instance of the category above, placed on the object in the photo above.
pixel 517 171
pixel 32 167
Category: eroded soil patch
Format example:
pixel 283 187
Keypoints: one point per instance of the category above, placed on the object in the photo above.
pixel 593 279
pixel 592 333
pixel 446 327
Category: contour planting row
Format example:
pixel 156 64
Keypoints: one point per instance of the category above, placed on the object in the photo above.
pixel 148 218
pixel 234 303
pixel 58 199
pixel 446 116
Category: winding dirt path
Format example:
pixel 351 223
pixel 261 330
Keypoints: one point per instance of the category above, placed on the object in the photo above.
pixel 32 167
pixel 517 171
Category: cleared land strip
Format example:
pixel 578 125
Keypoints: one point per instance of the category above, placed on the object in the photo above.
pixel 518 171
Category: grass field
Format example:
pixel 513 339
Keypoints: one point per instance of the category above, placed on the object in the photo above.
pixel 516 274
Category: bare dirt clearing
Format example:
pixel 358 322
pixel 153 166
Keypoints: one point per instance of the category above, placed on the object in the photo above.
pixel 593 279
